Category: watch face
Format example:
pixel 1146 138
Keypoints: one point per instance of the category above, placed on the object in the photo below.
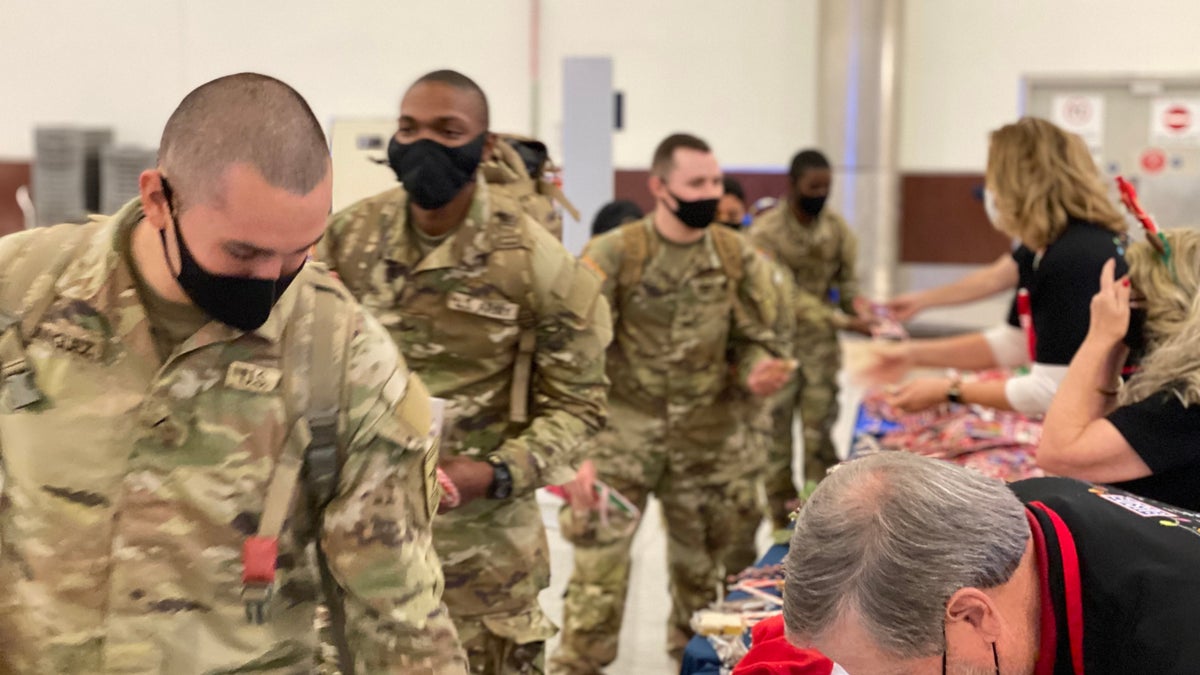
pixel 501 486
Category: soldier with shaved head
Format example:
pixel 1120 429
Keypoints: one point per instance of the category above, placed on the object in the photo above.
pixel 170 500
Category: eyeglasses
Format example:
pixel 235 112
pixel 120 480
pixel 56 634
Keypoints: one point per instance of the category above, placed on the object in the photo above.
pixel 946 651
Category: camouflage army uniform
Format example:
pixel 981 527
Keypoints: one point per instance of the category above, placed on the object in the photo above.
pixel 821 256
pixel 813 322
pixel 129 489
pixel 675 424
pixel 770 428
pixel 457 314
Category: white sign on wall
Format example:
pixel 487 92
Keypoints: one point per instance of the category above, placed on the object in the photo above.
pixel 1175 121
pixel 1081 114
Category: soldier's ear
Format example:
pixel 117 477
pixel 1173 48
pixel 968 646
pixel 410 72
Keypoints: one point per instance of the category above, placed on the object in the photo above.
pixel 154 200
pixel 489 146
pixel 657 185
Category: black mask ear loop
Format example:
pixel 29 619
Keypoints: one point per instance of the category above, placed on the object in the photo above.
pixel 162 234
pixel 996 658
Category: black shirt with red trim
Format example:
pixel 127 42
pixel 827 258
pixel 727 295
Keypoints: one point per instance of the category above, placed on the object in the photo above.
pixel 1136 589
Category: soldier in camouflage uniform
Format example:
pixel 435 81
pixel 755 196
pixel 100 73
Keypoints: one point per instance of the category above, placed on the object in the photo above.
pixel 770 421
pixel 689 302
pixel 154 389
pixel 497 318
pixel 817 247
pixel 744 493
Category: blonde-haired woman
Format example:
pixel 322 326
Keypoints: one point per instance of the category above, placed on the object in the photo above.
pixel 1143 436
pixel 1044 190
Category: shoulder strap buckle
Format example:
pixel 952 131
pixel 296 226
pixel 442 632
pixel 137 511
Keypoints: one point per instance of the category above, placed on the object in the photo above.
pixel 257 599
pixel 321 462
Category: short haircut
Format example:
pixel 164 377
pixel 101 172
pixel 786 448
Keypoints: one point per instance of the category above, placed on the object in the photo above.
pixel 455 79
pixel 664 154
pixel 614 214
pixel 244 118
pixel 888 539
pixel 734 188
pixel 805 160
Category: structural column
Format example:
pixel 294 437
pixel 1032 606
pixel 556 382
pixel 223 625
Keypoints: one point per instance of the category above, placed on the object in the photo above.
pixel 857 125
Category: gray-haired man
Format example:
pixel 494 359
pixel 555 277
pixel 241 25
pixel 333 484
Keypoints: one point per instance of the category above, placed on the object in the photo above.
pixel 902 564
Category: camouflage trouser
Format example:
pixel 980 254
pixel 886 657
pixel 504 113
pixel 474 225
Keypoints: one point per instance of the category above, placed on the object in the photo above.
pixel 815 396
pixel 495 558
pixel 699 524
pixel 493 650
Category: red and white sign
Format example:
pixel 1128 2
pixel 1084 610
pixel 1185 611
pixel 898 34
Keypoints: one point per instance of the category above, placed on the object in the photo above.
pixel 1175 121
pixel 1178 118
pixel 1153 160
pixel 1081 114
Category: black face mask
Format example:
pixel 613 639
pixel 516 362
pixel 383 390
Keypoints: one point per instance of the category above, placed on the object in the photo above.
pixel 241 302
pixel 811 206
pixel 432 173
pixel 733 225
pixel 697 214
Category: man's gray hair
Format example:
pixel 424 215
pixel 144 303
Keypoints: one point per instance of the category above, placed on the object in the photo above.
pixel 889 538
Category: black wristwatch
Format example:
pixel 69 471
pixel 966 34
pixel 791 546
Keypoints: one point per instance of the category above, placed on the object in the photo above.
pixel 502 484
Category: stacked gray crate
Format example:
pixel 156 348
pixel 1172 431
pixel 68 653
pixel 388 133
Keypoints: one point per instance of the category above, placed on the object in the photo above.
pixel 66 172
pixel 120 167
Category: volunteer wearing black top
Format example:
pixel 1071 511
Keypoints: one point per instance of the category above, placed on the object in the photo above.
pixel 1145 436
pixel 1043 189
pixel 905 564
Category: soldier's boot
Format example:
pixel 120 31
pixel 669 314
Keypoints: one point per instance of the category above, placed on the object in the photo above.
pixel 593 608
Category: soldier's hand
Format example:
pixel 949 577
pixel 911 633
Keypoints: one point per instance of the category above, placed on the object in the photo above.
pixel 471 476
pixel 863 307
pixel 581 492
pixel 769 375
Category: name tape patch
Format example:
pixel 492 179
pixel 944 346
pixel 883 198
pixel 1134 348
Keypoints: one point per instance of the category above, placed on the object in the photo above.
pixel 492 309
pixel 249 377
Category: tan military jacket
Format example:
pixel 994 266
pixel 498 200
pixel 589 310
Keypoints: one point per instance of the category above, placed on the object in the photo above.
pixel 129 490
pixel 821 255
pixel 457 316
pixel 683 346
